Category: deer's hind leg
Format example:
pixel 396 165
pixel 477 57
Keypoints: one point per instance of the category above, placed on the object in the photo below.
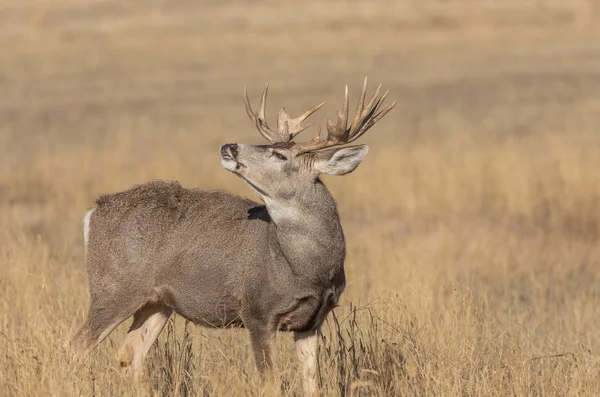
pixel 147 324
pixel 103 317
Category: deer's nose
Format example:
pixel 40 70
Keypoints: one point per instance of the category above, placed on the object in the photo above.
pixel 229 150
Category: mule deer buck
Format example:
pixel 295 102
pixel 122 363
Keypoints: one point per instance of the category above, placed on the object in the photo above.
pixel 221 260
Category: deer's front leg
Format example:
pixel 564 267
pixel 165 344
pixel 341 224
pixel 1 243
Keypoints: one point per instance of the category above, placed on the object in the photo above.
pixel 306 349
pixel 262 345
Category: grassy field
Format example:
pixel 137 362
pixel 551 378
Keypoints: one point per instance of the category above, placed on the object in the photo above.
pixel 473 224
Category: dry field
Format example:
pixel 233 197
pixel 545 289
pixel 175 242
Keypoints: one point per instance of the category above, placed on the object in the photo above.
pixel 473 224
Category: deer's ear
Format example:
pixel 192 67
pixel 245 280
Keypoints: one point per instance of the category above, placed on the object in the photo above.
pixel 339 161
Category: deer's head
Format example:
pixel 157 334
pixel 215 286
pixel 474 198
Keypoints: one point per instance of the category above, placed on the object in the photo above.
pixel 284 168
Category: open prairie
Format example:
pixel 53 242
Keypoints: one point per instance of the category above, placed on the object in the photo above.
pixel 472 226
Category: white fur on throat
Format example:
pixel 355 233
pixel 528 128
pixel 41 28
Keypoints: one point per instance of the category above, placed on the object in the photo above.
pixel 281 212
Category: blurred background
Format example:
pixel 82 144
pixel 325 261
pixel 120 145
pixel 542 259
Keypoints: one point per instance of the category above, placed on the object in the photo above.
pixel 472 225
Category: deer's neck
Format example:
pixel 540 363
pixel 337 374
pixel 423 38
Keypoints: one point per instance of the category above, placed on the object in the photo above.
pixel 309 234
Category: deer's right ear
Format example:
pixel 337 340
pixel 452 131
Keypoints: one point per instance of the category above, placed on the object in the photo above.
pixel 339 161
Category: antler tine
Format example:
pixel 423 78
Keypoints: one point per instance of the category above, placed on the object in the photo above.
pixel 317 135
pixel 366 116
pixel 262 125
pixel 343 117
pixel 259 118
pixel 359 106
pixel 247 104
pixel 371 121
pixel 287 127
pixel 263 104
pixel 290 127
pixel 365 112
pixel 372 102
pixel 336 131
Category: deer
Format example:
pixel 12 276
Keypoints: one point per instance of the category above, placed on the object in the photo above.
pixel 220 260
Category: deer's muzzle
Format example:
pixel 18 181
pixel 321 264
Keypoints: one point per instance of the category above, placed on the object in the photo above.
pixel 229 151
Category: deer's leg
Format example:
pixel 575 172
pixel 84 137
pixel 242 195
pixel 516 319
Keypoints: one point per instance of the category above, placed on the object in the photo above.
pixel 147 324
pixel 306 350
pixel 262 346
pixel 103 317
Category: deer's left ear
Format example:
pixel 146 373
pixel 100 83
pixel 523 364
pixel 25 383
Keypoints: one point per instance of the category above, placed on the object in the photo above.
pixel 339 161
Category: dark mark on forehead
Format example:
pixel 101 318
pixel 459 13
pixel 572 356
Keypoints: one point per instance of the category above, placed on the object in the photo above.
pixel 282 145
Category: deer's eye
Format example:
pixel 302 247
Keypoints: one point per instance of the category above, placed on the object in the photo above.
pixel 280 156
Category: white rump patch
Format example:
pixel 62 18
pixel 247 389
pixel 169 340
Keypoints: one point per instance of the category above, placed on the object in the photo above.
pixel 86 226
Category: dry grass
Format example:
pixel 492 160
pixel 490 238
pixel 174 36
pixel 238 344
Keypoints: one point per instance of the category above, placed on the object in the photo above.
pixel 473 225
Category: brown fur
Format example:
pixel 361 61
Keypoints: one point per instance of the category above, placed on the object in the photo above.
pixel 211 256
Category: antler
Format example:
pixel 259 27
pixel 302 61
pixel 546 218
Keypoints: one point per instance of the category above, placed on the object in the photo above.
pixel 338 133
pixel 287 127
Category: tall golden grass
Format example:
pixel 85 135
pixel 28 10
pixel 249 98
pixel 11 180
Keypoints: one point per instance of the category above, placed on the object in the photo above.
pixel 473 224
